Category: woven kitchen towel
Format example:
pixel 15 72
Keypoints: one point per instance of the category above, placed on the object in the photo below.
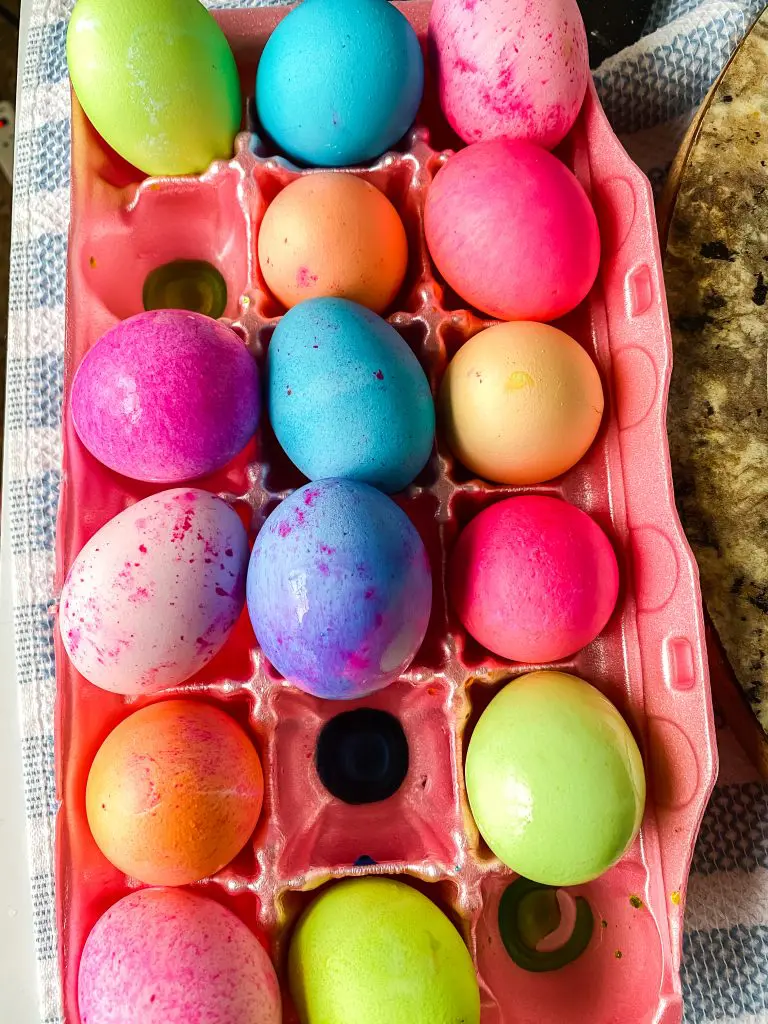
pixel 650 92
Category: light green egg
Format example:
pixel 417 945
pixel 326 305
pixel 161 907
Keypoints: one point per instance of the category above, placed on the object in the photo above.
pixel 157 80
pixel 555 779
pixel 378 951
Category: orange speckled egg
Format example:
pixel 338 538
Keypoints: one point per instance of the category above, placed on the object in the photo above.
pixel 521 403
pixel 333 234
pixel 174 792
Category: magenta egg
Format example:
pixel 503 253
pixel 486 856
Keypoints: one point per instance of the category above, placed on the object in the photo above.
pixel 544 261
pixel 153 596
pixel 534 579
pixel 166 956
pixel 510 67
pixel 166 396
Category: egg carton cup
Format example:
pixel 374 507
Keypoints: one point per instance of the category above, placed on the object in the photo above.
pixel 650 658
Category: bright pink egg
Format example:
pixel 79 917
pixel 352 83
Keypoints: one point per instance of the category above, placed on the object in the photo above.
pixel 166 396
pixel 512 231
pixel 166 956
pixel 534 579
pixel 510 67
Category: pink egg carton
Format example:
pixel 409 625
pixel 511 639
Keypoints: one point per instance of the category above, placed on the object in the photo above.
pixel 650 659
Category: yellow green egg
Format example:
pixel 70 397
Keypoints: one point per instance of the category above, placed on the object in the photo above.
pixel 374 950
pixel 158 81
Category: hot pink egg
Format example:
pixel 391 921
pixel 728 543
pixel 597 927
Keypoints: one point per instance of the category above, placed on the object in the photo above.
pixel 515 68
pixel 165 956
pixel 154 594
pixel 166 396
pixel 512 231
pixel 534 579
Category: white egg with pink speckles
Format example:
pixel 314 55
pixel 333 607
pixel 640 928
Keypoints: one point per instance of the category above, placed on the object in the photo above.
pixel 153 596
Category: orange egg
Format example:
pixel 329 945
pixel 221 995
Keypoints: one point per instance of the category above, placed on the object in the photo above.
pixel 333 234
pixel 521 403
pixel 174 792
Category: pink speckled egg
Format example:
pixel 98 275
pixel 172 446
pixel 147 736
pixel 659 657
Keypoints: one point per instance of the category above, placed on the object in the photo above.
pixel 153 595
pixel 517 68
pixel 544 261
pixel 166 396
pixel 166 956
pixel 533 579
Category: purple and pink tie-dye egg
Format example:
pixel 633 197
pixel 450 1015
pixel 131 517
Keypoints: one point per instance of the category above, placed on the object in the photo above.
pixel 339 589
pixel 166 396
pixel 154 594
pixel 166 956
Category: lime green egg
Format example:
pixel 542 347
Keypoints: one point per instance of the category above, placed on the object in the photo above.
pixel 157 80
pixel 376 950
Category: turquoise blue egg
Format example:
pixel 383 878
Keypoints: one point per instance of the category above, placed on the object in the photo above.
pixel 347 397
pixel 339 81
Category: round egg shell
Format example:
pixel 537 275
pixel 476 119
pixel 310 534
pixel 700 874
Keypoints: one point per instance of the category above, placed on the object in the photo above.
pixel 154 594
pixel 510 67
pixel 339 589
pixel 534 579
pixel 347 397
pixel 544 262
pixel 561 743
pixel 157 80
pixel 174 792
pixel 521 403
pixel 166 396
pixel 333 234
pixel 359 935
pixel 339 81
pixel 166 956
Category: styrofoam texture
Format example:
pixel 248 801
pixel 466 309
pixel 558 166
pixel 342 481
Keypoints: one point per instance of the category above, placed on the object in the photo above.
pixel 650 659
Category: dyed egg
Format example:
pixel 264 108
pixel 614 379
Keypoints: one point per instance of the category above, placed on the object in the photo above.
pixel 166 956
pixel 339 83
pixel 333 234
pixel 166 396
pixel 153 595
pixel 555 779
pixel 521 403
pixel 509 67
pixel 339 589
pixel 545 260
pixel 174 793
pixel 157 80
pixel 533 579
pixel 347 396
pixel 358 936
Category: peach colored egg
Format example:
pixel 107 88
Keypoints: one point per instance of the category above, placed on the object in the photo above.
pixel 174 792
pixel 333 234
pixel 521 403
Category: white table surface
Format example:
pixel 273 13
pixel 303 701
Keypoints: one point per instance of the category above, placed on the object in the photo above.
pixel 18 977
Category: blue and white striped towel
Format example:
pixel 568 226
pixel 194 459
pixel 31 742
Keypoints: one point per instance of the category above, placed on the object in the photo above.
pixel 650 92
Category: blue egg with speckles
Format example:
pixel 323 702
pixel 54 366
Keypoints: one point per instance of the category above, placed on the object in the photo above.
pixel 347 397
pixel 339 81
pixel 339 589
